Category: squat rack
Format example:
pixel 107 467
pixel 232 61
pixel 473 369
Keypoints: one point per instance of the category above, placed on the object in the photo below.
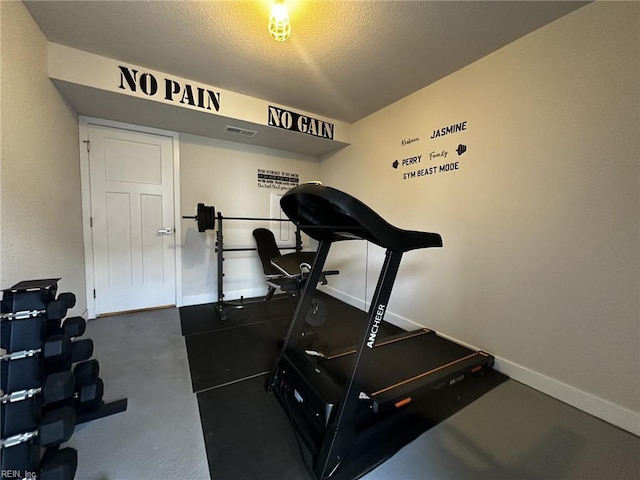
pixel 206 218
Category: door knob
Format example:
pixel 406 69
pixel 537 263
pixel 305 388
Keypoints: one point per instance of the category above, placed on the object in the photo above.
pixel 165 231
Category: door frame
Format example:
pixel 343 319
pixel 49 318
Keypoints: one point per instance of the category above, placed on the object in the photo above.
pixel 85 182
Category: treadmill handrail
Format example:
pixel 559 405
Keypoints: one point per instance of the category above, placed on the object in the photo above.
pixel 325 213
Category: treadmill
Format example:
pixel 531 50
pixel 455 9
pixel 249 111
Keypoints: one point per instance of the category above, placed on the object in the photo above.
pixel 352 409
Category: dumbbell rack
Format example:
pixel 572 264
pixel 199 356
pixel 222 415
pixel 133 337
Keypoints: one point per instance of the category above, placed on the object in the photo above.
pixel 49 382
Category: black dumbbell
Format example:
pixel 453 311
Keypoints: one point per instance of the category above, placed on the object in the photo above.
pixel 54 325
pixel 22 370
pixel 74 326
pixel 89 387
pixel 86 373
pixel 23 458
pixel 79 351
pixel 56 387
pixel 68 298
pixel 89 397
pixel 25 330
pixel 21 330
pixel 58 464
pixel 54 314
pixel 86 398
pixel 56 427
pixel 56 310
pixel 55 348
pixel 21 410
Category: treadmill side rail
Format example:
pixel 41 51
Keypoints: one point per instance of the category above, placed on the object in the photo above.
pixel 443 376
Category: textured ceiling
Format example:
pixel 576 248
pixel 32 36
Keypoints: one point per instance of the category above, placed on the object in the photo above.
pixel 344 60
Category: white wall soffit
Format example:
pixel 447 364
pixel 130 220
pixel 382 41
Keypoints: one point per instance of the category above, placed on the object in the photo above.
pixel 106 88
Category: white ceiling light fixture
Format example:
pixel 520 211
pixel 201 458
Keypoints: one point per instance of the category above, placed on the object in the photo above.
pixel 279 24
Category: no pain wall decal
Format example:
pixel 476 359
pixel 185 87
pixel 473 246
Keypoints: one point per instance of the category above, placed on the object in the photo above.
pixel 436 160
pixel 171 90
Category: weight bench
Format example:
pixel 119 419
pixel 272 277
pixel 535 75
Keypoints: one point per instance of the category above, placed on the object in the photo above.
pixel 284 272
pixel 275 278
pixel 288 273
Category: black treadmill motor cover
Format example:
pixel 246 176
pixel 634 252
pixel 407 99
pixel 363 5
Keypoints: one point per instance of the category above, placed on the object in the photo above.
pixel 325 213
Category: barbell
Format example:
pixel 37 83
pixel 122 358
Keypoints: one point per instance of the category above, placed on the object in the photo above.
pixel 206 218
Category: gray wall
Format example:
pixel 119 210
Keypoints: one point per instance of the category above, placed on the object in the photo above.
pixel 41 235
pixel 540 223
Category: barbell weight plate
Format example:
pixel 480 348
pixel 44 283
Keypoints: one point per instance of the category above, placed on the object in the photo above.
pixel 201 217
pixel 206 217
pixel 212 218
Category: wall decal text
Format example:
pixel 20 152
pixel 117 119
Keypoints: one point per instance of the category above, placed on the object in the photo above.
pixel 277 180
pixel 171 90
pixel 297 122
pixel 455 128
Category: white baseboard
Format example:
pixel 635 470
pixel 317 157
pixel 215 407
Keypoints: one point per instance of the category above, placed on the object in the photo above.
pixel 198 299
pixel 598 407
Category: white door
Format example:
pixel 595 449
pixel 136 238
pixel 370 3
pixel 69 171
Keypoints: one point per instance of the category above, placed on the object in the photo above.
pixel 131 177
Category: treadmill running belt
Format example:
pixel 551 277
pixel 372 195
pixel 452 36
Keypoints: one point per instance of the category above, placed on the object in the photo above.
pixel 394 363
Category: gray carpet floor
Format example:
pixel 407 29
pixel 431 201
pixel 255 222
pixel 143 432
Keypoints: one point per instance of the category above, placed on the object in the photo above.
pixel 517 433
pixel 143 358
pixel 513 432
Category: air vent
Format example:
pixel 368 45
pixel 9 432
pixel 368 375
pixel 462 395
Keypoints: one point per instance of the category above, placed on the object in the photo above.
pixel 240 131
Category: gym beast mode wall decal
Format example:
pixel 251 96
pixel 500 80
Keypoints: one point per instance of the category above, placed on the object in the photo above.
pixel 297 122
pixel 435 162
pixel 170 89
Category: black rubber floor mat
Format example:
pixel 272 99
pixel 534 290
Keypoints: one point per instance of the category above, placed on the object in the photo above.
pixel 197 319
pixel 227 355
pixel 247 434
pixel 232 350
